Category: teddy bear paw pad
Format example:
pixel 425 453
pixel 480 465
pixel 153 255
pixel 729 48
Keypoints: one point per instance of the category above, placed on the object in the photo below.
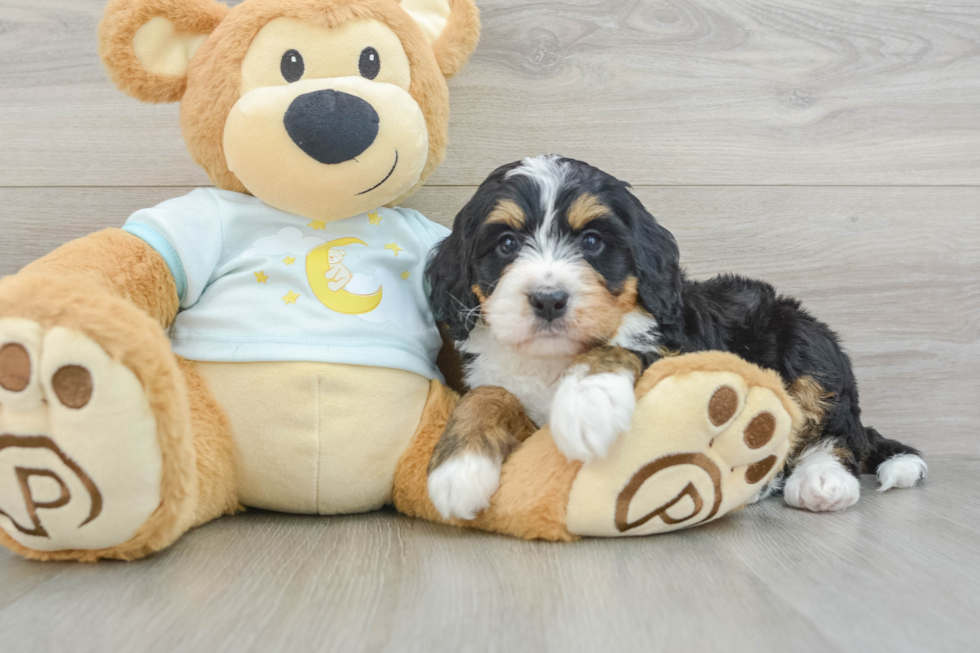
pixel 701 444
pixel 80 464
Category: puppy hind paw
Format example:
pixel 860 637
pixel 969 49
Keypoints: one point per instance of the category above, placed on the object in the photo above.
pixel 461 487
pixel 589 412
pixel 904 470
pixel 821 484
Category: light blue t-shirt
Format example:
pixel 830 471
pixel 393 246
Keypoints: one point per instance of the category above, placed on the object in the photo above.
pixel 259 284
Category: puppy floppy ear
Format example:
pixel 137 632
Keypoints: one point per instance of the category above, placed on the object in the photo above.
pixel 450 285
pixel 657 260
pixel 147 45
pixel 452 27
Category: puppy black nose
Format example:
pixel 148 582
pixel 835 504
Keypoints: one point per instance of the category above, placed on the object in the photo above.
pixel 549 304
pixel 330 126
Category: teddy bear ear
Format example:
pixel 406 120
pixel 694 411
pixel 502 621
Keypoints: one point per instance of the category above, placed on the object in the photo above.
pixel 451 26
pixel 147 45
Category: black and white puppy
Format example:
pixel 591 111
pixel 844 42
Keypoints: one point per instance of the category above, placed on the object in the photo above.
pixel 559 287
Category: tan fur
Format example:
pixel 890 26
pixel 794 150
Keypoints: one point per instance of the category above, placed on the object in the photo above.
pixel 118 262
pixel 123 18
pixel 136 340
pixel 848 459
pixel 812 399
pixel 488 420
pixel 410 493
pixel 215 449
pixel 534 485
pixel 458 40
pixel 585 209
pixel 479 293
pixel 606 359
pixel 507 212
pixel 601 312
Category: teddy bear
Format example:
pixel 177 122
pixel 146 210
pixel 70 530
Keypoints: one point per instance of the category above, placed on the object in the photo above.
pixel 268 342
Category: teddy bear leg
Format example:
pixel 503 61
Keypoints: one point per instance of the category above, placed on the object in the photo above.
pixel 534 486
pixel 104 453
pixel 214 450
pixel 709 431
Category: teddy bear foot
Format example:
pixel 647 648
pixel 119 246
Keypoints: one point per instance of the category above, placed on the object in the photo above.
pixel 80 461
pixel 709 432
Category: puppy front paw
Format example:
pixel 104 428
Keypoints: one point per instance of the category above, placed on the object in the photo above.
pixel 461 487
pixel 590 411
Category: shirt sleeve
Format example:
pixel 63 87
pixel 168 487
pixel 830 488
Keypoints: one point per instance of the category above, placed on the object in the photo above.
pixel 187 233
pixel 431 233
pixel 436 231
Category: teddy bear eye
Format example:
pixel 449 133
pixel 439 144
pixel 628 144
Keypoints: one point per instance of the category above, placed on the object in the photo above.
pixel 292 66
pixel 370 63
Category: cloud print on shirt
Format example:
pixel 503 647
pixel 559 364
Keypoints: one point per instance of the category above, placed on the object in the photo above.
pixel 397 306
pixel 289 240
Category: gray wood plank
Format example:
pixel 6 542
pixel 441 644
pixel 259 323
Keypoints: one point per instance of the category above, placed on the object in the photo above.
pixel 692 101
pixel 895 270
pixel 692 92
pixel 890 574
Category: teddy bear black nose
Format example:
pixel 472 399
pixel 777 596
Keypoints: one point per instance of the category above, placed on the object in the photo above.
pixel 330 126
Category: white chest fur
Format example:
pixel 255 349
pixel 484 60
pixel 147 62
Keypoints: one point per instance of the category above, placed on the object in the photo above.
pixel 533 380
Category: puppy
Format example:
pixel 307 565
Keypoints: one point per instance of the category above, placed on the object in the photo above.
pixel 560 288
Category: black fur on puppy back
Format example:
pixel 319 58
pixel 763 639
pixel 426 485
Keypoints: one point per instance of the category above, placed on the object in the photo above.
pixel 449 270
pixel 656 259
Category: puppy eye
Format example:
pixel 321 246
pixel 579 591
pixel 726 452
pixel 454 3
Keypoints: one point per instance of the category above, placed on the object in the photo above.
pixel 292 66
pixel 592 242
pixel 370 63
pixel 507 245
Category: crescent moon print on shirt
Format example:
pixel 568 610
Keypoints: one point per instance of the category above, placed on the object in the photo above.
pixel 343 274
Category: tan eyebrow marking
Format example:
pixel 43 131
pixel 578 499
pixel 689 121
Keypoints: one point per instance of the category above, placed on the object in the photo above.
pixel 507 212
pixel 585 209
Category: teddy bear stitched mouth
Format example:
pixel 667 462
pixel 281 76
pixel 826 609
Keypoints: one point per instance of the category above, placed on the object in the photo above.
pixel 387 177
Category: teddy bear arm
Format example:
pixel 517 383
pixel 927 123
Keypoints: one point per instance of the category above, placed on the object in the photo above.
pixel 119 263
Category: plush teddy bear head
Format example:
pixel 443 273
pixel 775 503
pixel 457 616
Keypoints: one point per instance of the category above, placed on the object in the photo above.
pixel 324 108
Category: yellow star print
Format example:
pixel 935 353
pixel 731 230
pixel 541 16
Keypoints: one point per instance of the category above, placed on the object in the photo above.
pixel 395 248
pixel 291 297
pixel 289 260
pixel 374 218
pixel 260 276
pixel 317 225
pixel 406 274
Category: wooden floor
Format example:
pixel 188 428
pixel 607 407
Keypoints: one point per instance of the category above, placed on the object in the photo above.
pixel 829 146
